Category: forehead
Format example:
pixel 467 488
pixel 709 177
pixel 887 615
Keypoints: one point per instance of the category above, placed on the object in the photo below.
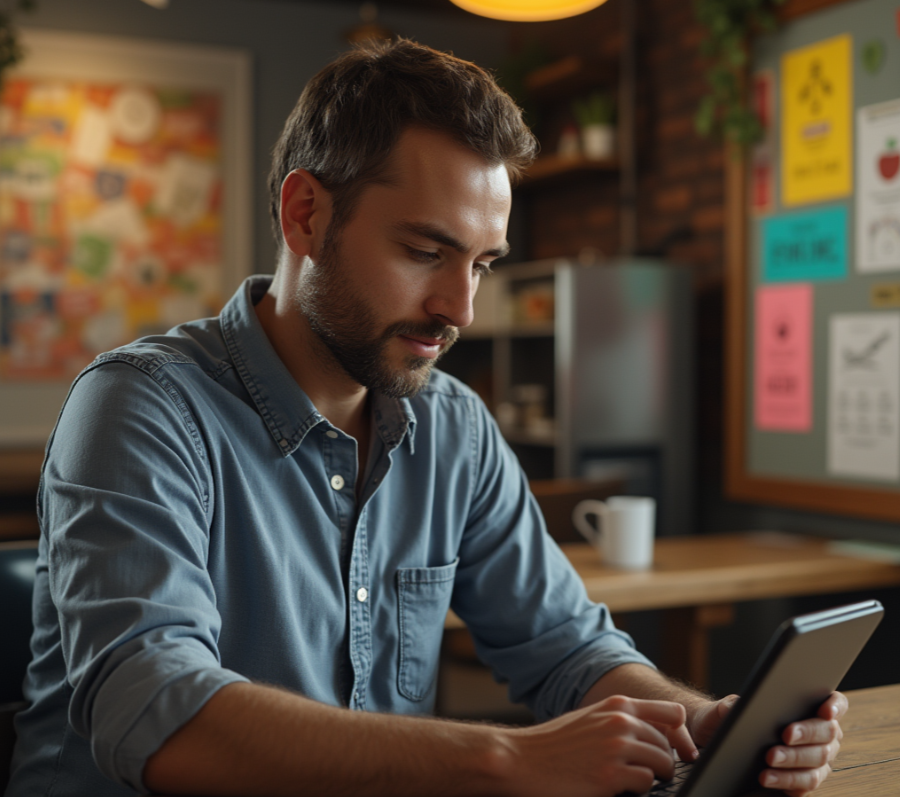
pixel 432 177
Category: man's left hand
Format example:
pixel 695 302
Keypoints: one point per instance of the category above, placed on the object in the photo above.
pixel 810 746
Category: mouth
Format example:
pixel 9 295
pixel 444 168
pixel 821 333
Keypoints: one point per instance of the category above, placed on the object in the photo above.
pixel 422 346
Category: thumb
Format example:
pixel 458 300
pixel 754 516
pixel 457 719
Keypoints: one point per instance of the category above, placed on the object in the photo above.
pixel 726 704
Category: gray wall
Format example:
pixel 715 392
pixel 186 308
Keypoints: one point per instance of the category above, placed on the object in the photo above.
pixel 288 41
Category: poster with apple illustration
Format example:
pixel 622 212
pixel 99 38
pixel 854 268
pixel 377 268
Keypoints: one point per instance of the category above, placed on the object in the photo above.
pixel 878 191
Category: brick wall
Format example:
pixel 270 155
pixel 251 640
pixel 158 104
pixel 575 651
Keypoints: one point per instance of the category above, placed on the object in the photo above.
pixel 680 187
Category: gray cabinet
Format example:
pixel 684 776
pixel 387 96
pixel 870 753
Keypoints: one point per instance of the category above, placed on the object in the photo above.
pixel 588 370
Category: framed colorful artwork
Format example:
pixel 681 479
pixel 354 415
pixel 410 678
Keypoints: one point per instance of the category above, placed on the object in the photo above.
pixel 125 178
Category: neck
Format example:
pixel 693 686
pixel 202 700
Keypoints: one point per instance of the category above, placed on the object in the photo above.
pixel 332 391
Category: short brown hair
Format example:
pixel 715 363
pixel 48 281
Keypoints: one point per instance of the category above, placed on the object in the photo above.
pixel 352 112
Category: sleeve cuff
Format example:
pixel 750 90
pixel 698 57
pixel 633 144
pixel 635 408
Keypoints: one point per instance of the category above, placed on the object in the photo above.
pixel 173 706
pixel 567 685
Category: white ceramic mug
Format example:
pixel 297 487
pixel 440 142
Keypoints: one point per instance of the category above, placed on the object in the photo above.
pixel 624 533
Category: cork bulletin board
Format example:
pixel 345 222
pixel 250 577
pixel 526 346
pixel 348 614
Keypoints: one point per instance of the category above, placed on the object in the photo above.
pixel 813 351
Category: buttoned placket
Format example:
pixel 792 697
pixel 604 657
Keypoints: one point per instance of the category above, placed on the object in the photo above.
pixel 360 614
pixel 339 454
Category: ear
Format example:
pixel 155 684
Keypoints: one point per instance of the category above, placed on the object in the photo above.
pixel 305 212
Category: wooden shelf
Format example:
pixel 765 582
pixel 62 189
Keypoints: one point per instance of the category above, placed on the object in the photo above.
pixel 568 76
pixel 539 329
pixel 20 470
pixel 526 438
pixel 19 526
pixel 550 167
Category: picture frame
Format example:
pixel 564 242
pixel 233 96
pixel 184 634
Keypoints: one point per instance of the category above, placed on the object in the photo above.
pixel 741 483
pixel 29 408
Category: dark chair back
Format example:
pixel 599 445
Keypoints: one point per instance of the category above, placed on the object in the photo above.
pixel 16 586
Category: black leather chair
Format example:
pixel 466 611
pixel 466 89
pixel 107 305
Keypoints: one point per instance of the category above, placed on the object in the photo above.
pixel 16 586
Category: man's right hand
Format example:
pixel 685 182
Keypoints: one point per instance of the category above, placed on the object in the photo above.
pixel 613 746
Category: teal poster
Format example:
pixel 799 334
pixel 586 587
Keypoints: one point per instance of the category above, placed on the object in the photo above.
pixel 805 247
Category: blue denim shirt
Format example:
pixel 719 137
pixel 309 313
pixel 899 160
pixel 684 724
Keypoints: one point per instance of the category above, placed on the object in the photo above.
pixel 200 526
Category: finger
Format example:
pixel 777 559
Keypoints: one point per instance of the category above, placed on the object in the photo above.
pixel 626 727
pixel 812 732
pixel 634 779
pixel 805 757
pixel 680 739
pixel 648 733
pixel 662 712
pixel 643 754
pixel 835 707
pixel 795 780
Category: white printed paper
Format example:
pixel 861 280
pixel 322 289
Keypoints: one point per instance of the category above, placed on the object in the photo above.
pixel 878 189
pixel 92 137
pixel 185 188
pixel 864 396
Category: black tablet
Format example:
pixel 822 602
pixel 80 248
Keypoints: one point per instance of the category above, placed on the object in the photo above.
pixel 803 664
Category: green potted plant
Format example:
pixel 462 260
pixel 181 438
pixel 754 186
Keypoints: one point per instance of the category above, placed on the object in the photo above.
pixel 595 114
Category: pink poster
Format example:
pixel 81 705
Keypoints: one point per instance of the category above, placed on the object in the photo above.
pixel 783 367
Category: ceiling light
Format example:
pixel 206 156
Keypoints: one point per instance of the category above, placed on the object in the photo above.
pixel 528 10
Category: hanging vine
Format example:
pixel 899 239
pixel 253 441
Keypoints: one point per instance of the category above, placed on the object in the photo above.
pixel 10 48
pixel 724 112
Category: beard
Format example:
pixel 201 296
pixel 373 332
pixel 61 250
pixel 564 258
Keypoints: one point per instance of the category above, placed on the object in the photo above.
pixel 345 322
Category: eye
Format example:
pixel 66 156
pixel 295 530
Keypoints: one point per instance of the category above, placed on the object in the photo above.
pixel 483 269
pixel 423 256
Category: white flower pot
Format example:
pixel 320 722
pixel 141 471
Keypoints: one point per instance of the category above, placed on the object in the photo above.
pixel 598 141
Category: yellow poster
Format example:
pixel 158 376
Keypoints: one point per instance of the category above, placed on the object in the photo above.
pixel 816 122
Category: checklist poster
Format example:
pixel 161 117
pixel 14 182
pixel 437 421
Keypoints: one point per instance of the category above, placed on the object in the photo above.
pixel 864 396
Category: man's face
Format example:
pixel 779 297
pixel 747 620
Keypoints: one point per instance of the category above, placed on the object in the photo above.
pixel 388 293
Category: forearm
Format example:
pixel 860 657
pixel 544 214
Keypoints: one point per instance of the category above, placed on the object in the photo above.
pixel 637 680
pixel 250 739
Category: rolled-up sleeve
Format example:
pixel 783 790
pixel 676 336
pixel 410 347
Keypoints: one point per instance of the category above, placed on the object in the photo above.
pixel 124 502
pixel 523 602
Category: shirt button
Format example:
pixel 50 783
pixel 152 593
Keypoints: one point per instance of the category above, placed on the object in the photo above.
pixel 361 594
pixel 337 482
pixel 332 434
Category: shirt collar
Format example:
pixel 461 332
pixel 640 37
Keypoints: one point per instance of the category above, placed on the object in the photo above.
pixel 286 410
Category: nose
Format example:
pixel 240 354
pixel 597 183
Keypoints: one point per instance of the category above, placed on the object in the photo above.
pixel 451 299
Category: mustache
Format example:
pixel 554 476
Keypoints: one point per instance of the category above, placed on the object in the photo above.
pixel 435 330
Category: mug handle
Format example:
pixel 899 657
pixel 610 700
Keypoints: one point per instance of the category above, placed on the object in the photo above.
pixel 579 518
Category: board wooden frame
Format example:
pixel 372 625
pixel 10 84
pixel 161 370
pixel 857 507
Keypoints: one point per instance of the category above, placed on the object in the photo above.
pixel 740 484
pixel 74 55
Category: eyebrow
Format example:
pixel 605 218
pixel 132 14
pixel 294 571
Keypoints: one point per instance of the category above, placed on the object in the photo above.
pixel 437 235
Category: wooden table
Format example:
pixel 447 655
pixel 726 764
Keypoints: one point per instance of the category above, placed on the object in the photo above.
pixel 697 580
pixel 869 762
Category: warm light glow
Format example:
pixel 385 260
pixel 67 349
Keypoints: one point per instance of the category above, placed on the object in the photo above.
pixel 528 10
pixel 157 3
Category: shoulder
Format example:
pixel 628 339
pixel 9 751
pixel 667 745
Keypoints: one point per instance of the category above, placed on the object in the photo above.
pixel 198 343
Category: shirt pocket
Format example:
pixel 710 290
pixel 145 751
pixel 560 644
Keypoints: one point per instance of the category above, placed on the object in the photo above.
pixel 424 599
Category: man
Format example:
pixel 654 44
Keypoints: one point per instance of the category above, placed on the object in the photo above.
pixel 290 495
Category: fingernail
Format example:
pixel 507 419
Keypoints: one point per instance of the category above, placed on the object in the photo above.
pixel 695 754
pixel 795 735
pixel 769 780
pixel 778 757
